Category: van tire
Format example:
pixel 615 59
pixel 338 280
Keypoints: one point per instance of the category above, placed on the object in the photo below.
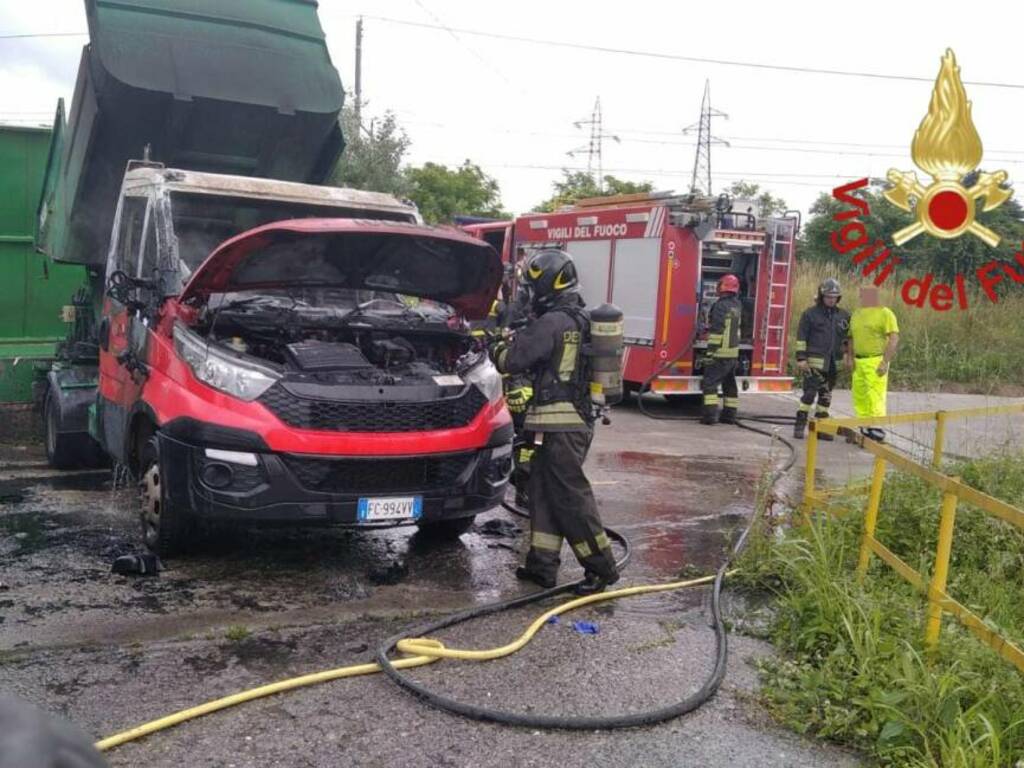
pixel 67 450
pixel 166 529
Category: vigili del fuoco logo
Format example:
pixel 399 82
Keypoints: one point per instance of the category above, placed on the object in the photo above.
pixel 946 146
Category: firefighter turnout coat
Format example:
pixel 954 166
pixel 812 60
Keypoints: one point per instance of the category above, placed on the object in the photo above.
pixel 550 348
pixel 724 328
pixel 821 335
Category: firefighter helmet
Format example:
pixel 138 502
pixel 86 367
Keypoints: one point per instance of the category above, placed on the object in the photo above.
pixel 550 274
pixel 729 284
pixel 830 287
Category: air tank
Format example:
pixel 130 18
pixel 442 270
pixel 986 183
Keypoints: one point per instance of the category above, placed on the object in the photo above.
pixel 606 354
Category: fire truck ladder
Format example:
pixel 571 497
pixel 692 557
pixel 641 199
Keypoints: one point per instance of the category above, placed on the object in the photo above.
pixel 778 295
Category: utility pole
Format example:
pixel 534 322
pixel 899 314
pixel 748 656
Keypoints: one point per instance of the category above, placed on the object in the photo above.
pixel 595 146
pixel 359 73
pixel 701 181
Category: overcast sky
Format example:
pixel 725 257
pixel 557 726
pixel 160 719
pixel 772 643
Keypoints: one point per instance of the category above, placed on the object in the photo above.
pixel 510 106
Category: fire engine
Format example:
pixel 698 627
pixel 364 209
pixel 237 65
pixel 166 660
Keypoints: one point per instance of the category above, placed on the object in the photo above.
pixel 659 257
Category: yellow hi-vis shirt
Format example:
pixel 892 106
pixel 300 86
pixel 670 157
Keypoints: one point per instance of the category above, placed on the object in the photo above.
pixel 870 328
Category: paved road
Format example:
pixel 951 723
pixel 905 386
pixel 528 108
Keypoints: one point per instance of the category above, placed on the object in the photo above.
pixel 111 651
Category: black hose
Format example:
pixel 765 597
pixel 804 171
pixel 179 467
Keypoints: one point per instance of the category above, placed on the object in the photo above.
pixel 594 722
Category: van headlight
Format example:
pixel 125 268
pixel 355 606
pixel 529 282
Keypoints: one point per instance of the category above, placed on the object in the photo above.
pixel 223 371
pixel 485 377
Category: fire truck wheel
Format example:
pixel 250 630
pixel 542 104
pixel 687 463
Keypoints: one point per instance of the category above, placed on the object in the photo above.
pixel 447 529
pixel 166 529
pixel 67 450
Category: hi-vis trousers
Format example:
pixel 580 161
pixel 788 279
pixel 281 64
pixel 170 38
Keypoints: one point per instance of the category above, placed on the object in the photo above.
pixel 869 389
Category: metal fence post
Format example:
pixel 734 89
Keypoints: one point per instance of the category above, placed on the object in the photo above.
pixel 938 583
pixel 940 439
pixel 810 462
pixel 871 517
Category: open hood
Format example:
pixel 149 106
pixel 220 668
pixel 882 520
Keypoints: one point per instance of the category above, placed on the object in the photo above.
pixel 429 262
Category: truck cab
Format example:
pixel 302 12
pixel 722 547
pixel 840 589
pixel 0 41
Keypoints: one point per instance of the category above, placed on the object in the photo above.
pixel 276 352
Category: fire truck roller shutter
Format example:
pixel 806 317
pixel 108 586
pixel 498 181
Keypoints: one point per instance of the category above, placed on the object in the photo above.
pixel 592 258
pixel 635 285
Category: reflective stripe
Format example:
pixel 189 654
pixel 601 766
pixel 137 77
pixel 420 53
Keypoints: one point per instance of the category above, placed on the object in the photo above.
pixel 548 541
pixel 554 413
pixel 602 540
pixel 726 334
pixel 816 362
pixel 714 338
pixel 582 549
pixel 731 402
pixel 711 400
pixel 568 362
pixel 805 407
pixel 525 454
pixel 801 346
pixel 726 353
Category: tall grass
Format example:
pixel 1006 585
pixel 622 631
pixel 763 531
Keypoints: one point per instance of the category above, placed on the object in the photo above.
pixel 974 350
pixel 853 669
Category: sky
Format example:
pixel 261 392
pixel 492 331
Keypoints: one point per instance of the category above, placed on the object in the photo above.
pixel 511 106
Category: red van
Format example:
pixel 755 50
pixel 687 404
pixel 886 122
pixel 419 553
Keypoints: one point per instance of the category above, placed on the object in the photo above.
pixel 315 370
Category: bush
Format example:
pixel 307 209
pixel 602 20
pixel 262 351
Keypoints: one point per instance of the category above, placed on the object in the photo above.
pixel 853 668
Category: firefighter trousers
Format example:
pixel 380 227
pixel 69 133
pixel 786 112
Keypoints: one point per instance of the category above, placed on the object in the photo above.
pixel 818 384
pixel 719 371
pixel 562 506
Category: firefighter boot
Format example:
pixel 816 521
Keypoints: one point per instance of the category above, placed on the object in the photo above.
pixel 728 416
pixel 823 414
pixel 799 425
pixel 709 415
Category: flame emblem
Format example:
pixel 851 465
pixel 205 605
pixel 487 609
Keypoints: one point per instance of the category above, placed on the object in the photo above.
pixel 947 147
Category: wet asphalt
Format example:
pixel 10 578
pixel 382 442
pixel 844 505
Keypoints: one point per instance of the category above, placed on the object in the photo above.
pixel 254 606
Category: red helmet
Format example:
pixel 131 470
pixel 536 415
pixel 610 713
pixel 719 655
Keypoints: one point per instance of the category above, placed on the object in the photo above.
pixel 729 284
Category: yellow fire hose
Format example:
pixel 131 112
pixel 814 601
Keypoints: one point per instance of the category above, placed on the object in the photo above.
pixel 426 651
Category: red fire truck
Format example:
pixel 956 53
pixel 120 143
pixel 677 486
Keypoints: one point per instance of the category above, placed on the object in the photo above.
pixel 658 257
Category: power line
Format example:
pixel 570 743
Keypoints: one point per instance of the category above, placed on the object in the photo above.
pixel 679 57
pixel 27 35
pixel 622 51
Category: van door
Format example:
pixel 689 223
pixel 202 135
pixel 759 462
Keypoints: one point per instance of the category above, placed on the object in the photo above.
pixel 122 330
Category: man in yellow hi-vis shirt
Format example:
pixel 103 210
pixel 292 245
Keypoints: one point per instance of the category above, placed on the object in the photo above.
pixel 874 336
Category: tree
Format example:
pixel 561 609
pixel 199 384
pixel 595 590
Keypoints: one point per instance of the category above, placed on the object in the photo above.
pixel 373 155
pixel 442 193
pixel 578 185
pixel 769 204
pixel 943 258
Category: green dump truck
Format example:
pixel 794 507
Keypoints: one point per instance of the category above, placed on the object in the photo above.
pixel 207 93
pixel 32 290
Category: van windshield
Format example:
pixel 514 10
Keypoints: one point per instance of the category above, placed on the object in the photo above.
pixel 202 222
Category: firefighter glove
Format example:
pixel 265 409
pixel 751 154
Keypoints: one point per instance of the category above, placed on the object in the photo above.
pixel 518 398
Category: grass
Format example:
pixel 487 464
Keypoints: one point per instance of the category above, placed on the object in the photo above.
pixel 236 633
pixel 974 350
pixel 853 668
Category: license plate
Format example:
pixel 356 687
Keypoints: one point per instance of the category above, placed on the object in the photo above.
pixel 395 508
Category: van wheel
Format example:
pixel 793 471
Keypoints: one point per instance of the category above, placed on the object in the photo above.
pixel 165 528
pixel 447 529
pixel 67 450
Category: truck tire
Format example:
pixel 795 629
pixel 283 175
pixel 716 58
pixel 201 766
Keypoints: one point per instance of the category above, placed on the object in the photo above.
pixel 166 529
pixel 67 450
pixel 447 530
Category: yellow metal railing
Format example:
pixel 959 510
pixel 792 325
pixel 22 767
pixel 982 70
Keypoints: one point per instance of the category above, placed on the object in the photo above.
pixel 953 492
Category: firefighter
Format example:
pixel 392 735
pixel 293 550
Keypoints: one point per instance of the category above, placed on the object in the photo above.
pixel 560 424
pixel 820 340
pixel 722 353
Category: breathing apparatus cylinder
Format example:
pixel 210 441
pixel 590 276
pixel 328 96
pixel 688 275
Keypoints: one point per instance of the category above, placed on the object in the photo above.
pixel 605 350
